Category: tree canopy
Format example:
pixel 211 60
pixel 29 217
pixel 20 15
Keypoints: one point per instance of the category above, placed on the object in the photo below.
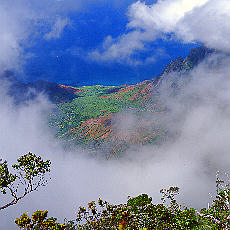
pixel 139 213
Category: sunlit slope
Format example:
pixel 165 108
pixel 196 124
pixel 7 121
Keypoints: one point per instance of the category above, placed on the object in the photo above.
pixel 93 116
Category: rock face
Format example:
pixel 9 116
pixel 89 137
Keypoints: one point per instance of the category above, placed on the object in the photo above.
pixel 182 66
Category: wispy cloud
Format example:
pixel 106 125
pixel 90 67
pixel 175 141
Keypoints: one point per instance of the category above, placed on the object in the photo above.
pixel 57 28
pixel 22 22
pixel 119 49
pixel 204 21
pixel 14 29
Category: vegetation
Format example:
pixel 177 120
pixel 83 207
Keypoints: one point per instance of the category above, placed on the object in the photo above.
pixel 140 213
pixel 88 119
pixel 81 120
pixel 29 174
pixel 137 213
pixel 85 114
pixel 93 102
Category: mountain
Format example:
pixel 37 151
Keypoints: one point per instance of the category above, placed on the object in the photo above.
pixel 21 92
pixel 180 65
pixel 109 118
pixel 99 117
pixel 94 117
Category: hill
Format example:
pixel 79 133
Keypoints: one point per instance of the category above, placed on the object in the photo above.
pixel 22 92
pixel 109 118
pixel 100 116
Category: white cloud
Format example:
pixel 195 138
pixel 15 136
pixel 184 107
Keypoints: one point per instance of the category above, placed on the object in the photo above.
pixel 22 21
pixel 120 49
pixel 162 16
pixel 208 24
pixel 197 116
pixel 57 28
pixel 204 21
pixel 14 29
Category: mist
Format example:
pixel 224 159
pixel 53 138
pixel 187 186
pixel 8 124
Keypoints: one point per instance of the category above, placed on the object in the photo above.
pixel 197 121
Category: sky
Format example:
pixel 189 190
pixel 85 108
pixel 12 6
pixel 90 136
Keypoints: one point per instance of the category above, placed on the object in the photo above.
pixel 82 42
pixel 105 42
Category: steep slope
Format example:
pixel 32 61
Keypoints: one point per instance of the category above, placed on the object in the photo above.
pixel 94 117
pixel 195 56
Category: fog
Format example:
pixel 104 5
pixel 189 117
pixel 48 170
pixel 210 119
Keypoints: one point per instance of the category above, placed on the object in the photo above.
pixel 196 119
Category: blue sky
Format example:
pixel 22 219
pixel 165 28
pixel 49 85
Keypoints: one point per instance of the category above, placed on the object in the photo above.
pixel 101 42
pixel 88 30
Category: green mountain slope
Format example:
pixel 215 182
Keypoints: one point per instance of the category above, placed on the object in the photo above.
pixel 92 117
pixel 97 116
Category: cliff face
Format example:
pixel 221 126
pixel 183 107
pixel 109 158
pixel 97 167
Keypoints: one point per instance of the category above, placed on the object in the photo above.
pixel 180 65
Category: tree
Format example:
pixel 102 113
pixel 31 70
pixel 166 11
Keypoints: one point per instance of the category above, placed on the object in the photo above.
pixel 30 173
pixel 139 213
pixel 218 215
pixel 40 221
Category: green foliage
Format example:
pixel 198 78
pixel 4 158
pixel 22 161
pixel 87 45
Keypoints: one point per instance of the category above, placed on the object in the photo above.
pixel 6 178
pixel 32 165
pixel 94 101
pixel 91 119
pixel 139 201
pixel 30 174
pixel 137 213
pixel 39 221
pixel 97 90
pixel 140 213
pixel 218 215
pixel 169 195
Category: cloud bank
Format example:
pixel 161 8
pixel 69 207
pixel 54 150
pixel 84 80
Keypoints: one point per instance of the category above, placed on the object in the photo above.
pixel 204 21
pixel 197 120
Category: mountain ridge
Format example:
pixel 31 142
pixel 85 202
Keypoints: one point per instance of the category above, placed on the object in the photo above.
pixel 90 115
